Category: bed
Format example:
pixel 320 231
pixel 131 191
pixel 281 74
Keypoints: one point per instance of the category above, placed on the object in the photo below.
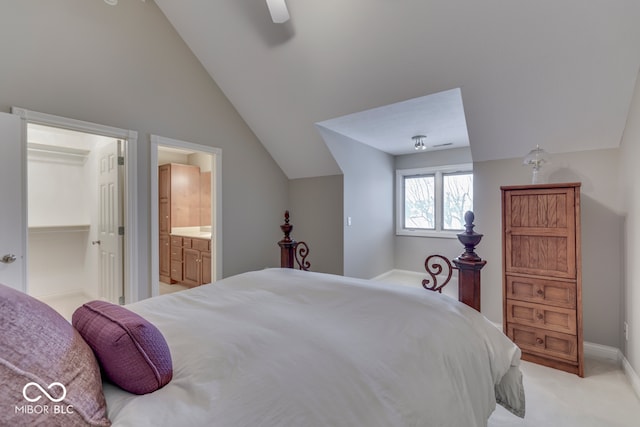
pixel 288 347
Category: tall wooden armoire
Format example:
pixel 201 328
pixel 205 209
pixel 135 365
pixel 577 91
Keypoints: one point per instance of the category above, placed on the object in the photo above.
pixel 542 281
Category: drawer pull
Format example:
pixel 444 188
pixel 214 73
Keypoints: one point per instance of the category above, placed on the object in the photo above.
pixel 540 316
pixel 540 293
pixel 539 341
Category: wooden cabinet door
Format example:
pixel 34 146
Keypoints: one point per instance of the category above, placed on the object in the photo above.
pixel 176 271
pixel 191 267
pixel 164 180
pixel 206 267
pixel 540 232
pixel 165 251
pixel 164 221
pixel 205 198
pixel 185 195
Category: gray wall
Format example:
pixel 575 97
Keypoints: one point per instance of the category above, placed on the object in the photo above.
pixel 125 66
pixel 368 200
pixel 629 194
pixel 602 234
pixel 316 207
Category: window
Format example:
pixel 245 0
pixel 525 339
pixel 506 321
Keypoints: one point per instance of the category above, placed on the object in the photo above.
pixel 433 201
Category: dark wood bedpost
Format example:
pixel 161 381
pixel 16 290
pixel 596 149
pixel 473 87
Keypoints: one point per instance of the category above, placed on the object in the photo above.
pixel 292 252
pixel 469 265
pixel 287 244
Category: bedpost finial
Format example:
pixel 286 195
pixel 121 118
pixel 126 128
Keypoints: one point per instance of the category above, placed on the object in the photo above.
pixel 468 222
pixel 469 238
pixel 286 227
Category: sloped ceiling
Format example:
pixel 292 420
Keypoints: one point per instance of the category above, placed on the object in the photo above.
pixel 555 73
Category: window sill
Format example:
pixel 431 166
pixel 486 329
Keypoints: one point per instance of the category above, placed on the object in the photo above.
pixel 433 234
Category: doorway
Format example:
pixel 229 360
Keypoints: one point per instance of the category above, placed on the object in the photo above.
pixel 66 240
pixel 186 242
pixel 75 201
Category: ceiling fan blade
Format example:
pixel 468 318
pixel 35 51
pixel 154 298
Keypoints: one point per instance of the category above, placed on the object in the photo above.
pixel 278 11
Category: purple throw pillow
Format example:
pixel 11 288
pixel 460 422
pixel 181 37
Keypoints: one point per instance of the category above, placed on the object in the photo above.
pixel 132 352
pixel 48 374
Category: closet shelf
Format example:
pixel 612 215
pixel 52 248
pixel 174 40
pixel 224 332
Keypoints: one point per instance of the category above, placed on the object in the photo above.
pixel 59 228
pixel 56 154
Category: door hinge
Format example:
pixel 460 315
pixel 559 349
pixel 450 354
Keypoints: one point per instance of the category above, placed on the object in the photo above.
pixel 121 300
pixel 120 231
pixel 120 160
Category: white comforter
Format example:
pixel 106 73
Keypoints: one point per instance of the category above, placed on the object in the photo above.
pixel 282 347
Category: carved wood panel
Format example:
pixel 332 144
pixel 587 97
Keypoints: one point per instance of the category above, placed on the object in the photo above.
pixel 540 235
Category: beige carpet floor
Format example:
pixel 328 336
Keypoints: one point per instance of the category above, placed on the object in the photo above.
pixel 603 398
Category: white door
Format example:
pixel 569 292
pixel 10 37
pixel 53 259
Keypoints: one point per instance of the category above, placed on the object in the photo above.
pixel 12 218
pixel 110 238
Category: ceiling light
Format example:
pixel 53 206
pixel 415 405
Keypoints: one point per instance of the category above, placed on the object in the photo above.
pixel 418 142
pixel 278 11
pixel 536 158
pixel 111 2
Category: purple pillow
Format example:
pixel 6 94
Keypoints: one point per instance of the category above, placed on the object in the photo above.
pixel 132 352
pixel 48 374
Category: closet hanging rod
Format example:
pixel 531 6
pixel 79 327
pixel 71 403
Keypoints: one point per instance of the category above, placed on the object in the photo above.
pixel 55 149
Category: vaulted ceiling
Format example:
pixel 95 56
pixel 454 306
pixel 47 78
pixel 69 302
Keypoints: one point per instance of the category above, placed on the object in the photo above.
pixel 555 73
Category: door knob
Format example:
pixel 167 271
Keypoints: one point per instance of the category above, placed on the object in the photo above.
pixel 8 258
pixel 95 242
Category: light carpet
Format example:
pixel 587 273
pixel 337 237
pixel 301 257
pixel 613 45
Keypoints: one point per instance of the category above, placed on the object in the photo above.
pixel 603 398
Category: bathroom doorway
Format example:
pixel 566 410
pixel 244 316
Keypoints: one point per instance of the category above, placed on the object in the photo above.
pixel 186 228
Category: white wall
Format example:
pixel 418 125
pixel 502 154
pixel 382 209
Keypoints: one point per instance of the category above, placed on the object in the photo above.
pixel 629 194
pixel 58 194
pixel 602 251
pixel 57 264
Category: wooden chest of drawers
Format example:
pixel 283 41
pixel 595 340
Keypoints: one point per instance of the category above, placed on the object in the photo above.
pixel 542 280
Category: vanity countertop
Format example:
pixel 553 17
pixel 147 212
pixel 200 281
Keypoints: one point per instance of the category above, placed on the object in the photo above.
pixel 197 232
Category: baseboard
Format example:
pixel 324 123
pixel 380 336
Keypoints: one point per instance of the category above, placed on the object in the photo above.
pixel 414 276
pixel 599 351
pixel 395 272
pixel 632 375
pixel 67 294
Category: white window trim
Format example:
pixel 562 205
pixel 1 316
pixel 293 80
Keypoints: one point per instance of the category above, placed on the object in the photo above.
pixel 438 171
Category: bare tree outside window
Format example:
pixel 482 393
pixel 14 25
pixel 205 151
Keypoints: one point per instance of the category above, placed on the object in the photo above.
pixel 432 201
pixel 457 195
pixel 419 202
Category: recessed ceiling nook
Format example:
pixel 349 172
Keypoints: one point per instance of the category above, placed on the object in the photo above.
pixel 426 123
